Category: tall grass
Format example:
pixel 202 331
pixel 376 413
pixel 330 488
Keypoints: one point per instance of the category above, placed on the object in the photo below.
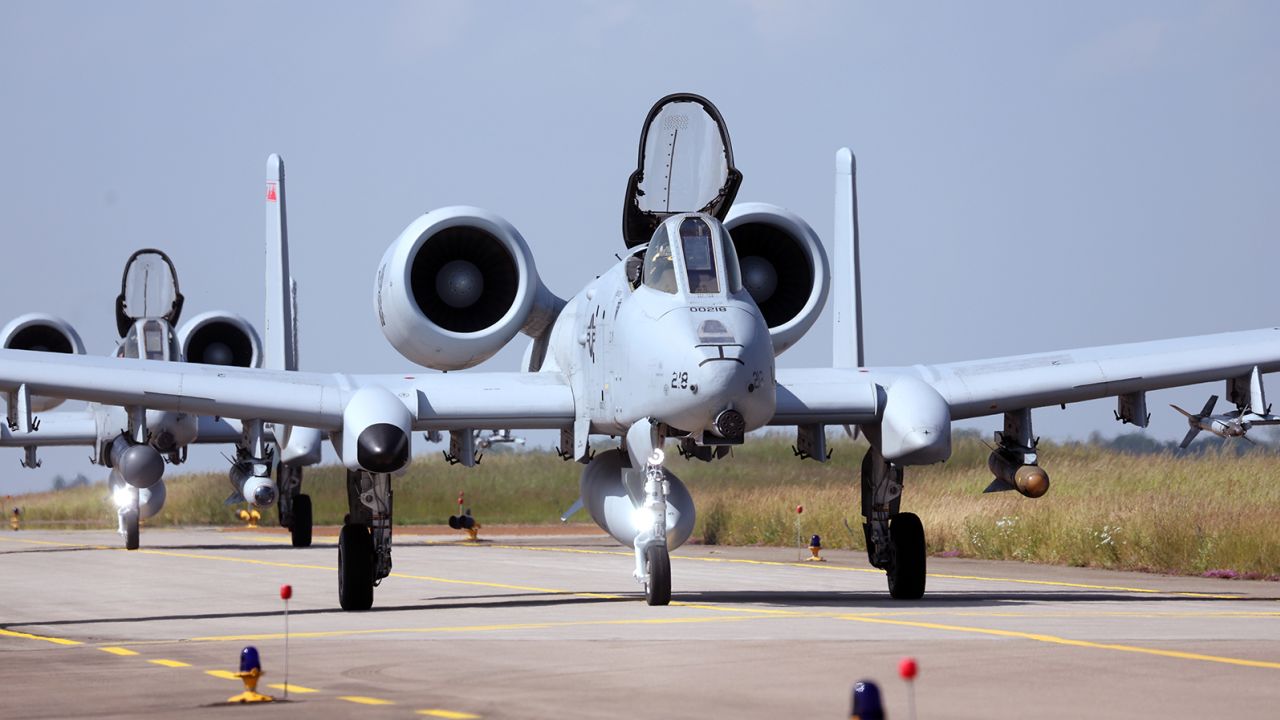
pixel 1158 512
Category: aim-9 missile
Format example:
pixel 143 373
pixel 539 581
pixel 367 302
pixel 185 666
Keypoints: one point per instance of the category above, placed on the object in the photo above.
pixel 1235 424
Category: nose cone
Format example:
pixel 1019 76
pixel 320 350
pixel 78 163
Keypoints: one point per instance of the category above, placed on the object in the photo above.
pixel 382 448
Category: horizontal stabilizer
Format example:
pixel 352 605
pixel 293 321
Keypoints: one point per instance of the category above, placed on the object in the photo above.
pixel 1184 412
pixel 573 510
pixel 998 485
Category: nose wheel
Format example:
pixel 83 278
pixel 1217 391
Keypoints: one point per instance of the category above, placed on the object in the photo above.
pixel 129 521
pixel 657 576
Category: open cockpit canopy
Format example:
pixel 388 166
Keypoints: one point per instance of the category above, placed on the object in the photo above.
pixel 149 289
pixel 685 165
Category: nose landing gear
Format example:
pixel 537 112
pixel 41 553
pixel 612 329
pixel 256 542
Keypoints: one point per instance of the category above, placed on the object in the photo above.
pixel 653 562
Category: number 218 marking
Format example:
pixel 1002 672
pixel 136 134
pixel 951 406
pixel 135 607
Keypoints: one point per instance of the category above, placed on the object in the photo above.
pixel 680 380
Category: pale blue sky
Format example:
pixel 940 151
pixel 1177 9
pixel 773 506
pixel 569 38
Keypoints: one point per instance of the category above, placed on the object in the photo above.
pixel 1034 176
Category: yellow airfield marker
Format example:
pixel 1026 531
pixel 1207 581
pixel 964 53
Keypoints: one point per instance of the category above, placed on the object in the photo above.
pixel 224 674
pixel 169 663
pixel 118 650
pixel 452 714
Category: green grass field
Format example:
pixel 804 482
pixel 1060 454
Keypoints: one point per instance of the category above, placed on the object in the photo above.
pixel 1215 513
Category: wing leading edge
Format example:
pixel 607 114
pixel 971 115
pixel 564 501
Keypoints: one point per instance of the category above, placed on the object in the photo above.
pixel 436 401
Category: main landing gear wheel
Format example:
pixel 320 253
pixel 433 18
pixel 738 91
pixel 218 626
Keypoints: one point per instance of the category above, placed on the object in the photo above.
pixel 657 580
pixel 355 567
pixel 300 528
pixel 906 575
pixel 130 521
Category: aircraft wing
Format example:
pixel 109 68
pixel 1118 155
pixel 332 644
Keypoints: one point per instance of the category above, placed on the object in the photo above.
pixel 985 387
pixel 63 428
pixel 437 401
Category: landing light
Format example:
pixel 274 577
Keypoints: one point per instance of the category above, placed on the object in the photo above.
pixel 644 518
pixel 122 496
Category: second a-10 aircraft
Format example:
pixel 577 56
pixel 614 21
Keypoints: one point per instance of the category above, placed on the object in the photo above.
pixel 137 442
pixel 675 343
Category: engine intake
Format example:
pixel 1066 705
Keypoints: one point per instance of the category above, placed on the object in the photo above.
pixel 43 333
pixel 218 338
pixel 456 286
pixel 784 268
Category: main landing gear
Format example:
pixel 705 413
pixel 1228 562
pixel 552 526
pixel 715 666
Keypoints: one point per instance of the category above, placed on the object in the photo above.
pixel 364 545
pixel 295 507
pixel 895 540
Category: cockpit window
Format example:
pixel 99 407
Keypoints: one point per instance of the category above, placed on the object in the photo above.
pixel 732 271
pixel 659 266
pixel 154 340
pixel 699 257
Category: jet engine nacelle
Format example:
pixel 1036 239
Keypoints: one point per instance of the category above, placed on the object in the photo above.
pixel 38 331
pixel 611 507
pixel 150 499
pixel 784 268
pixel 456 286
pixel 219 338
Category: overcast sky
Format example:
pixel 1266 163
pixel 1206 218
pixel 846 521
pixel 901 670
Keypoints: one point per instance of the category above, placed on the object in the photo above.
pixel 1033 176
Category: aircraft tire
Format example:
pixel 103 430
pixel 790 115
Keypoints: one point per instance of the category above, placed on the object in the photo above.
pixel 355 567
pixel 300 528
pixel 657 586
pixel 906 577
pixel 131 530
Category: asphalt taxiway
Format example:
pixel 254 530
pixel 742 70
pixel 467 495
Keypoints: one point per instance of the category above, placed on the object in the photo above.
pixel 554 627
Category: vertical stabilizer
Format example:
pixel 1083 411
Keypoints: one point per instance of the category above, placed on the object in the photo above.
pixel 846 346
pixel 281 321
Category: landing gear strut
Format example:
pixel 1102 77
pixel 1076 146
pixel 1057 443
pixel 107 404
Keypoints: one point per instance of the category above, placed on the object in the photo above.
pixel 295 507
pixel 129 521
pixel 653 562
pixel 364 545
pixel 895 540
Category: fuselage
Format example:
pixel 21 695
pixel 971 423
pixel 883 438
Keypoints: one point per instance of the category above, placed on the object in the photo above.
pixel 669 333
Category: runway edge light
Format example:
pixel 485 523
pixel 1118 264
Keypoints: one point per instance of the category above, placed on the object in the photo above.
pixel 866 701
pixel 815 549
pixel 250 672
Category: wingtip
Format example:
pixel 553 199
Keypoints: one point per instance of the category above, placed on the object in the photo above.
pixel 275 165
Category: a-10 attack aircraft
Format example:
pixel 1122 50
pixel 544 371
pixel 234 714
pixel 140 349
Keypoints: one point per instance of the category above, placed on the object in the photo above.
pixel 676 342
pixel 137 442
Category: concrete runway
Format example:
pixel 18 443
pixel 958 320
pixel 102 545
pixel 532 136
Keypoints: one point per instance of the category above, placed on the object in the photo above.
pixel 539 627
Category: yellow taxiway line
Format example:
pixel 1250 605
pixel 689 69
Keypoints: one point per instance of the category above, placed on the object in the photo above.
pixel 738 612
